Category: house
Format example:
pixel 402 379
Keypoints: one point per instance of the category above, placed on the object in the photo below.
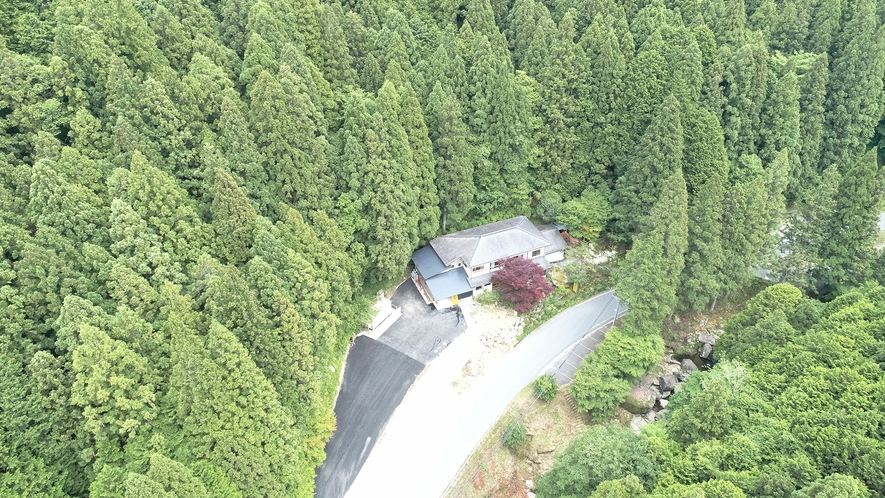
pixel 460 264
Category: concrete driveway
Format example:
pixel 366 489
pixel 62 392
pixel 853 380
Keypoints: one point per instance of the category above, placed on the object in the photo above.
pixel 377 375
pixel 436 429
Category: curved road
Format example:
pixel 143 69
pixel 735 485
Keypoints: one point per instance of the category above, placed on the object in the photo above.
pixel 419 457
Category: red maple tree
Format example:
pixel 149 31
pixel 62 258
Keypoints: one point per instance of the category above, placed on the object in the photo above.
pixel 522 282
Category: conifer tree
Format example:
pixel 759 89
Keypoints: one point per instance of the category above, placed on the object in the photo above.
pixel 411 118
pixel 392 232
pixel 645 85
pixel 644 285
pixel 73 210
pixel 847 252
pixel 232 217
pixel 295 157
pixel 337 61
pixel 812 93
pixel 603 129
pixel 109 386
pixel 701 279
pixel 855 97
pixel 747 77
pixel 658 156
pixel 807 231
pixel 238 146
pixel 704 153
pixel 259 57
pixel 780 116
pixel 451 147
pixel 254 443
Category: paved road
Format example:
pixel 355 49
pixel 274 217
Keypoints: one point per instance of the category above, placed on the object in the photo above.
pixel 419 459
pixel 376 378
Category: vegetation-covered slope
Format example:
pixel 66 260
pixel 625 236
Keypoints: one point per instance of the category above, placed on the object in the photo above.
pixel 193 193
pixel 793 409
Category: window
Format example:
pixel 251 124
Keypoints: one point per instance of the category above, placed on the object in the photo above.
pixel 496 264
pixel 478 268
pixel 536 252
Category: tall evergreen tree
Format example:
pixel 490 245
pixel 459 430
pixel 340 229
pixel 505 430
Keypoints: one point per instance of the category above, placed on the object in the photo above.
pixel 847 252
pixel 452 153
pixel 232 217
pixel 812 93
pixel 704 153
pixel 855 96
pixel 658 156
pixel 746 78
pixel 702 279
pixel 604 129
pixel 780 116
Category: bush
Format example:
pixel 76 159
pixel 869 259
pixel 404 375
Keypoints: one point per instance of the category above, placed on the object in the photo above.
pixel 546 387
pixel 515 435
pixel 488 298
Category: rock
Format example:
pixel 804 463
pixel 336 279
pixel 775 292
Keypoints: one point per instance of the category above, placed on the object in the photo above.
pixel 530 484
pixel 649 417
pixel 529 494
pixel 668 382
pixel 638 423
pixel 655 382
pixel 688 366
pixel 707 339
pixel 706 350
pixel 663 402
pixel 640 400
pixel 534 457
pixel 661 414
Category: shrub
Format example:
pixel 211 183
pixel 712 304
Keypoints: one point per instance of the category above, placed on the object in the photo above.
pixel 546 387
pixel 488 298
pixel 515 435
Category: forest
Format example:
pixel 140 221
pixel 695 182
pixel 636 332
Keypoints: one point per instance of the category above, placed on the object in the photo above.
pixel 199 198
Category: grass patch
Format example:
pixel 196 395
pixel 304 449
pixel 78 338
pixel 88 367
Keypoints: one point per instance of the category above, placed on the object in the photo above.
pixel 497 471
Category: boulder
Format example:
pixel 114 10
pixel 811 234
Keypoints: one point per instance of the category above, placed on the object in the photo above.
pixel 661 414
pixel 663 402
pixel 668 382
pixel 530 484
pixel 705 350
pixel 638 423
pixel 688 366
pixel 649 417
pixel 640 400
pixel 707 339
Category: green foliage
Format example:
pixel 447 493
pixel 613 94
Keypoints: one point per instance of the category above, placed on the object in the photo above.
pixel 174 169
pixel 585 216
pixel 515 435
pixel 546 387
pixel 601 453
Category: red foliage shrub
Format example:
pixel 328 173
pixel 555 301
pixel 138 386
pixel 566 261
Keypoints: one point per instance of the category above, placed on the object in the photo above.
pixel 522 282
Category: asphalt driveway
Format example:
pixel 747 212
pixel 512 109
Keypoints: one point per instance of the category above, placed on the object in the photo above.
pixel 423 331
pixel 377 375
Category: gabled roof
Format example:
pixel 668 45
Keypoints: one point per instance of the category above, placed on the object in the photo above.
pixel 491 242
pixel 448 284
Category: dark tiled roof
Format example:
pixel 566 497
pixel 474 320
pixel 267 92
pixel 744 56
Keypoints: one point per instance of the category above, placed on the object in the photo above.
pixel 448 284
pixel 487 243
